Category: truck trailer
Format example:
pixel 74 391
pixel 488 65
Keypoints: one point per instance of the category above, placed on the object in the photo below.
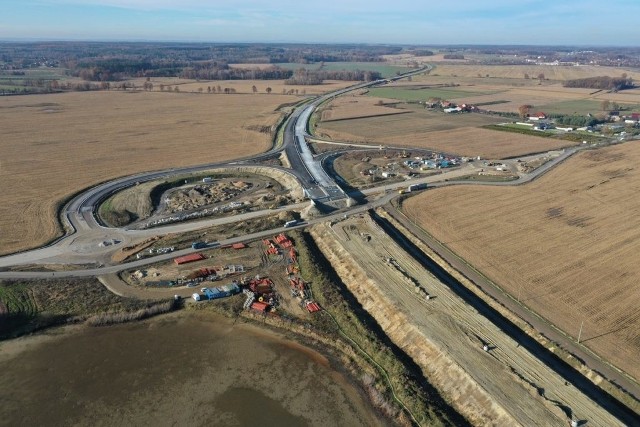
pixel 417 187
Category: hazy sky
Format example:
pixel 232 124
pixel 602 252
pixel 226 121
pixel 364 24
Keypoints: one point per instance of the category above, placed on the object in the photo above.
pixel 583 22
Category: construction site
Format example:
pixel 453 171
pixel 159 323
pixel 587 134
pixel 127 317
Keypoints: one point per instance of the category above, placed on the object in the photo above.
pixel 217 197
pixel 484 372
pixel 364 169
pixel 266 272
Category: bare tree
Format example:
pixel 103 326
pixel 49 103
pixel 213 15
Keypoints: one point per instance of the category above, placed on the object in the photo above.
pixel 254 89
pixel 604 105
pixel 526 76
pixel 523 110
pixel 268 90
pixel 541 77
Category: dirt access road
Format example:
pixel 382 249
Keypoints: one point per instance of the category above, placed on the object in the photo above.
pixel 540 324
pixel 507 385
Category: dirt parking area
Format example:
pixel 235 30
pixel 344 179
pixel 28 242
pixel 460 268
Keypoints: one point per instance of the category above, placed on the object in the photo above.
pixel 230 264
pixel 506 385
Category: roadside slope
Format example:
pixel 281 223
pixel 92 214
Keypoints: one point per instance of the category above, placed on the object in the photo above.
pixel 507 385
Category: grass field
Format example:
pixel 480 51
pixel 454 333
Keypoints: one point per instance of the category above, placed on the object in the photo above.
pixel 240 86
pixel 385 69
pixel 33 305
pixel 34 73
pixel 55 145
pixel 580 107
pixel 566 245
pixel 407 58
pixel 452 133
pixel 350 107
pixel 420 93
pixel 485 84
pixel 551 72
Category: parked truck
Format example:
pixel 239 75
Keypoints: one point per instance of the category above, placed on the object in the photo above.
pixel 416 187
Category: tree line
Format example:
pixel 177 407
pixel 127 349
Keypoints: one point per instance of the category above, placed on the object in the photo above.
pixel 315 77
pixel 602 83
pixel 113 70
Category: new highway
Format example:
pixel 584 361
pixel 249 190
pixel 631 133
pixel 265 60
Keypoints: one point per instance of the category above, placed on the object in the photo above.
pixel 318 184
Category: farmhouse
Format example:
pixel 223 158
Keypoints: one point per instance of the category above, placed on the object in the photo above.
pixel 538 116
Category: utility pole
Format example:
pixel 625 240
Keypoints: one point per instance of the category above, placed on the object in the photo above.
pixel 580 333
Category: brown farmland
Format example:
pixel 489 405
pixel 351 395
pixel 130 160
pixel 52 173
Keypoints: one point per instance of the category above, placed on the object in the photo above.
pixel 451 133
pixel 55 145
pixel 566 245
pixel 509 84
pixel 240 86
pixel 352 107
pixel 551 72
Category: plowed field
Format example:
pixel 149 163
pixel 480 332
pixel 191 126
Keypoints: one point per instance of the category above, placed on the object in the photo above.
pixel 54 145
pixel 566 244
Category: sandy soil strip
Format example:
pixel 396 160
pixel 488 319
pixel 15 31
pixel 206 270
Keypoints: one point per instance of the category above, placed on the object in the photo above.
pixel 505 386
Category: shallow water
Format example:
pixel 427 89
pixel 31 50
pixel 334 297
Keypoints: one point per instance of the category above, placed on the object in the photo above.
pixel 181 369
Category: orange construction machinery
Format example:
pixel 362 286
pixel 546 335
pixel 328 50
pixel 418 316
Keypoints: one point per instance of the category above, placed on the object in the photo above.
pixel 283 241
pixel 272 249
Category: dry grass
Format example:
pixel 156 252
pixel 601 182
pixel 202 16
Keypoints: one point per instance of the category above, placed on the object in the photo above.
pixel 513 94
pixel 567 244
pixel 546 95
pixel 252 66
pixel 55 145
pixel 350 107
pixel 508 84
pixel 451 133
pixel 242 86
pixel 407 58
pixel 550 72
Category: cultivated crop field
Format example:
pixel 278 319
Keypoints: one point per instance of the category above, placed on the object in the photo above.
pixel 566 244
pixel 55 145
pixel 451 133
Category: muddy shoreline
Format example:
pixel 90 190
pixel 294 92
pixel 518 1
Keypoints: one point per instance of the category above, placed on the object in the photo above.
pixel 186 355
